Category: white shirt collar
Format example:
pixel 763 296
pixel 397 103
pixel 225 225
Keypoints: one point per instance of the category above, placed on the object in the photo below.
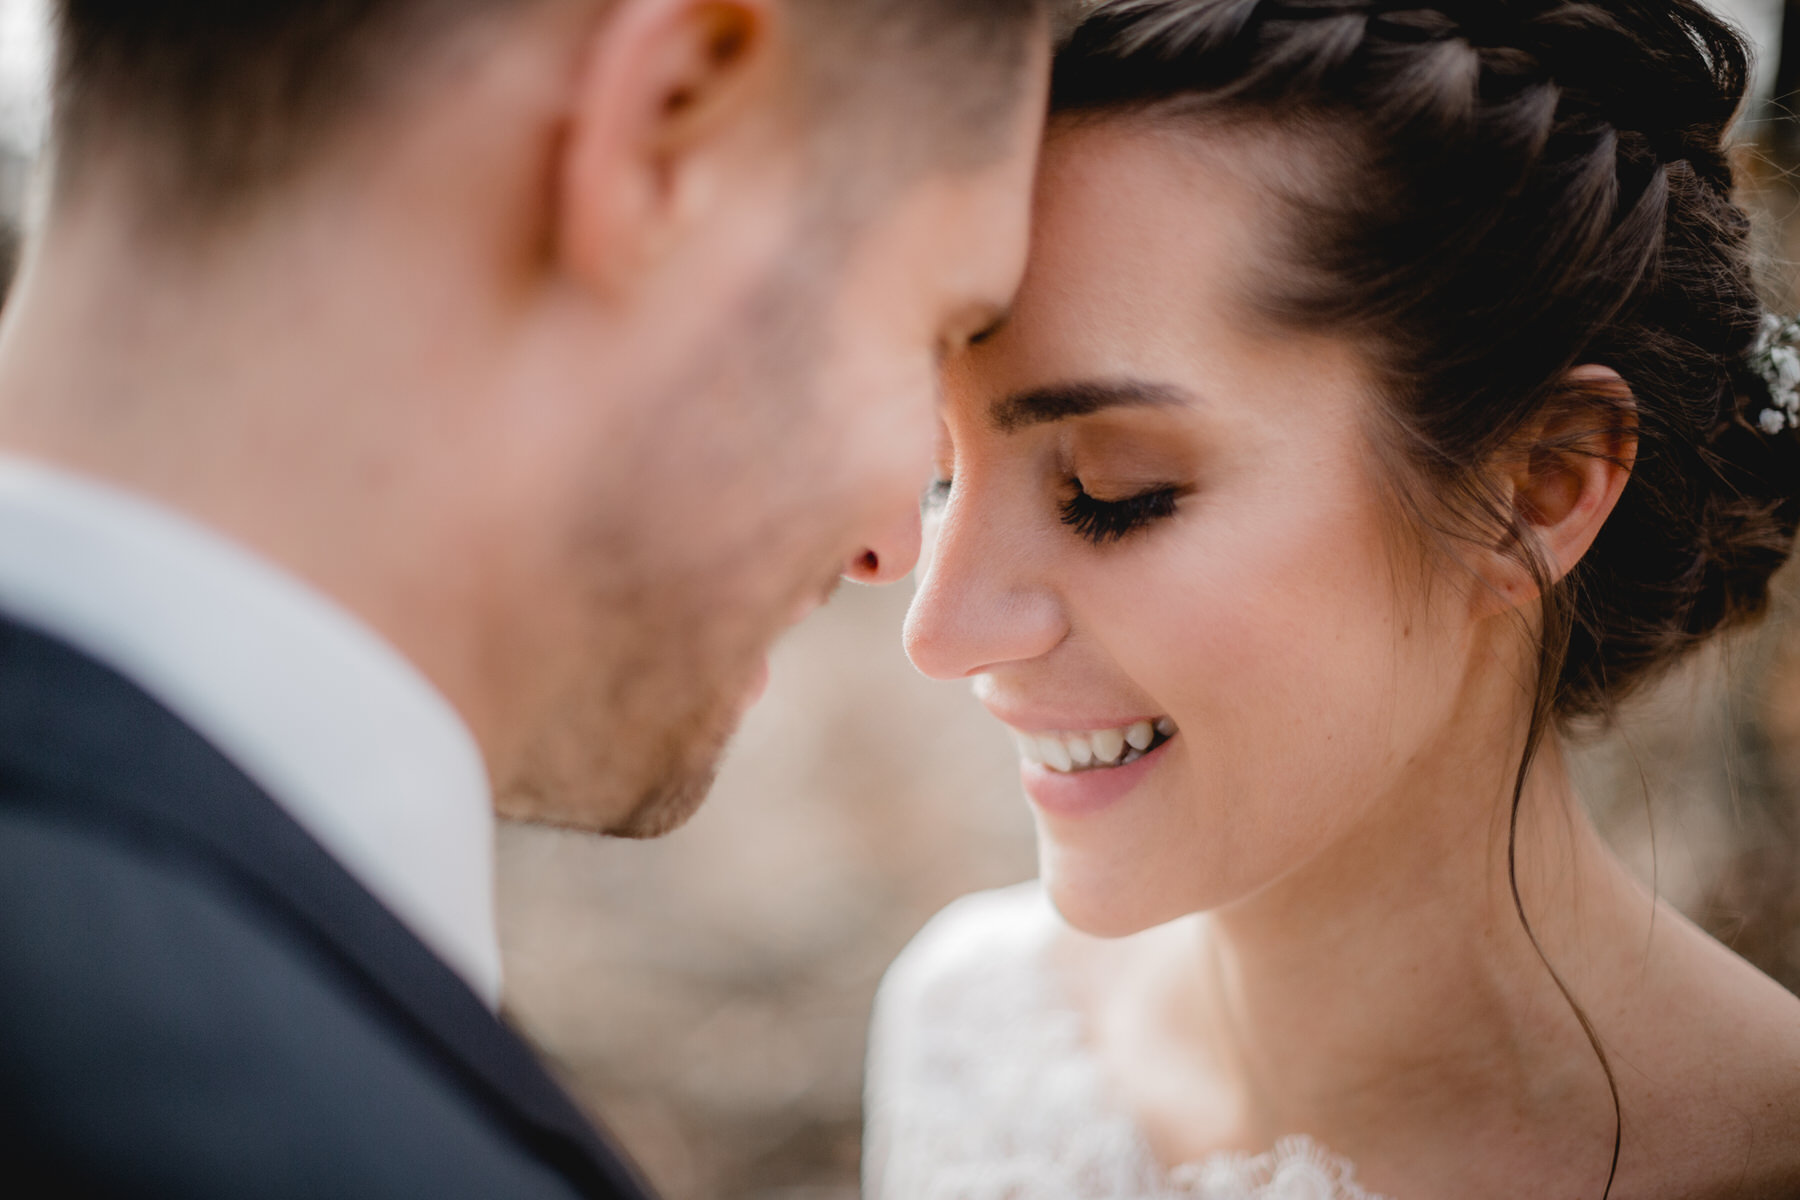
pixel 344 733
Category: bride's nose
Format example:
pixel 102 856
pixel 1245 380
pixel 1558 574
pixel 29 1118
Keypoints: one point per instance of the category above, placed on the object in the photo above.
pixel 981 601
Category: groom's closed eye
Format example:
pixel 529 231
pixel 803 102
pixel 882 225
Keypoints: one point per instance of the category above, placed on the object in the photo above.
pixel 1061 401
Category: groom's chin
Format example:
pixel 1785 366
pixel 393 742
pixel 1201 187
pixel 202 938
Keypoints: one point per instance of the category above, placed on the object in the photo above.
pixel 672 790
pixel 680 779
pixel 655 812
pixel 666 809
pixel 621 778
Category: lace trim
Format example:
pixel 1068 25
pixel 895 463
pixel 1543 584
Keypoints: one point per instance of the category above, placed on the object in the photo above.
pixel 982 1085
pixel 1297 1169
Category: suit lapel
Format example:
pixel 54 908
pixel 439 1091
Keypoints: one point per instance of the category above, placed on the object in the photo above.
pixel 90 746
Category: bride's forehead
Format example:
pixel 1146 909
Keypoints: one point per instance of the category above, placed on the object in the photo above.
pixel 1134 227
pixel 1150 256
pixel 1130 170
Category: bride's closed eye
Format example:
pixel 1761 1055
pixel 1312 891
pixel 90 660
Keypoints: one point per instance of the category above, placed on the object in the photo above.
pixel 1098 521
pixel 1104 521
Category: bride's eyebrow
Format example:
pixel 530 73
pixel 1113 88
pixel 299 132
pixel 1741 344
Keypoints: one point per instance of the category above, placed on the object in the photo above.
pixel 1061 401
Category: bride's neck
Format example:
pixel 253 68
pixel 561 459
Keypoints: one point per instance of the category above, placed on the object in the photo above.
pixel 1393 980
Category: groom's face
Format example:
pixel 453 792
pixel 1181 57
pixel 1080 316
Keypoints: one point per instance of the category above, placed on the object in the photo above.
pixel 788 449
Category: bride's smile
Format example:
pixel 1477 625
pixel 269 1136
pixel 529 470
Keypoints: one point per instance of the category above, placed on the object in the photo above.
pixel 1072 775
pixel 1152 508
pixel 1380 403
pixel 1098 750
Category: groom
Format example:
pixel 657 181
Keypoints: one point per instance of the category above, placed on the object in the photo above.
pixel 408 408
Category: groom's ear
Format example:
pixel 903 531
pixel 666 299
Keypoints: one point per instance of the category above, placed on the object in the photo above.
pixel 671 96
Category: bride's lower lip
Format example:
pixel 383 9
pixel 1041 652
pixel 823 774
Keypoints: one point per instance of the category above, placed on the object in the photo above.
pixel 1083 793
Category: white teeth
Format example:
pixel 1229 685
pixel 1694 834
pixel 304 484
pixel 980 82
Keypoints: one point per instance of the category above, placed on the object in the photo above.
pixel 1101 748
pixel 1108 744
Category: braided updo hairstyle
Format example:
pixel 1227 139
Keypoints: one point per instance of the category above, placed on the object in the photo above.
pixel 1519 187
pixel 1504 190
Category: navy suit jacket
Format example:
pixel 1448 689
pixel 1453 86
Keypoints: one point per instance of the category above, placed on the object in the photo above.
pixel 197 1001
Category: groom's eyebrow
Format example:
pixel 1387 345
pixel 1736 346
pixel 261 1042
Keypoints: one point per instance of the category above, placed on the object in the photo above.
pixel 1061 401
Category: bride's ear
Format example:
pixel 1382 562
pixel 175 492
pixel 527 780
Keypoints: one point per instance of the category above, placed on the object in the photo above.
pixel 1559 481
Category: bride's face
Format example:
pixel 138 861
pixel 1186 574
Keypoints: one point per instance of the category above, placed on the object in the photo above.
pixel 1158 518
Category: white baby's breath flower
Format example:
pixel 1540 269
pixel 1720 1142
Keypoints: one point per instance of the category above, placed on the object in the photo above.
pixel 1786 361
pixel 1775 355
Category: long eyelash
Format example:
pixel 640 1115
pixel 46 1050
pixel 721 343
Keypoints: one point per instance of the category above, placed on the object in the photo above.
pixel 1103 521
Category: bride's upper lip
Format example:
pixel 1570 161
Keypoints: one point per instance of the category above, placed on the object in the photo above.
pixel 1041 720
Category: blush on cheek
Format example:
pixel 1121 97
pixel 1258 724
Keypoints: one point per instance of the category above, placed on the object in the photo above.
pixel 1281 715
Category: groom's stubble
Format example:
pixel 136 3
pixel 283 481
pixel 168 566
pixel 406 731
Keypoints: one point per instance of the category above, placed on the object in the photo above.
pixel 751 476
pixel 696 564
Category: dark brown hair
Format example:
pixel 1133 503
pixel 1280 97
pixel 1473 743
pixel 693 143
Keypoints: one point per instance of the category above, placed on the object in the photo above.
pixel 223 98
pixel 1522 186
pixel 1505 190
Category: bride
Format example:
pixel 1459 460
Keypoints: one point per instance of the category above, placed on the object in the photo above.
pixel 1386 395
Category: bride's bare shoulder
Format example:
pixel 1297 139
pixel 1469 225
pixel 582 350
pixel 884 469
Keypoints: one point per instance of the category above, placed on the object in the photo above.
pixel 1717 1050
pixel 973 987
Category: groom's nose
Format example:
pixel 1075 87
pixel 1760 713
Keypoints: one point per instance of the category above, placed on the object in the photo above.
pixel 891 555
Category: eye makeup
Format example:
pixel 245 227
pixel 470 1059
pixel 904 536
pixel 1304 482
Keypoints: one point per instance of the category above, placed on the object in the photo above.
pixel 1122 472
pixel 1104 521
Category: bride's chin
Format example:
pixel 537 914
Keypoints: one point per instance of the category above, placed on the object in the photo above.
pixel 1101 903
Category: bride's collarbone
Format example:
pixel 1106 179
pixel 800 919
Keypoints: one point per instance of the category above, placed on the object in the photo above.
pixel 1706 1055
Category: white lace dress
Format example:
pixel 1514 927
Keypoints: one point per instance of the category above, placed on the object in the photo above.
pixel 981 1086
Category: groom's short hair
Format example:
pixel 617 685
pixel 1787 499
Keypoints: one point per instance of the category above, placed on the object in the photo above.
pixel 228 96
